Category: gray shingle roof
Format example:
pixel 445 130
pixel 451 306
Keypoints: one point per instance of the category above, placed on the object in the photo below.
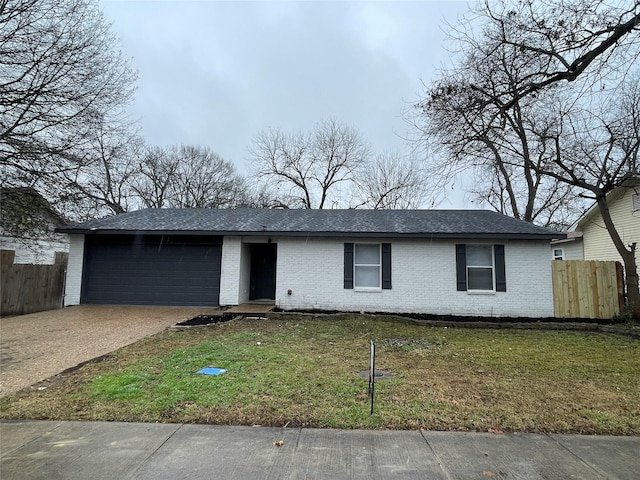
pixel 353 223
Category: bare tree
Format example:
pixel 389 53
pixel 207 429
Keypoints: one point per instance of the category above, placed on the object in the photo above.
pixel 262 196
pixel 504 112
pixel 390 182
pixel 59 71
pixel 307 170
pixel 102 183
pixel 597 152
pixel 337 152
pixel 465 130
pixel 187 177
pixel 571 38
pixel 205 180
pixel 153 183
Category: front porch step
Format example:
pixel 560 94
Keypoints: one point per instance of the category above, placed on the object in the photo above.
pixel 251 308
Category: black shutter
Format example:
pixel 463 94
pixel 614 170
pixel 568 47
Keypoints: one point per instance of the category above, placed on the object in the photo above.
pixel 461 267
pixel 348 265
pixel 386 266
pixel 501 277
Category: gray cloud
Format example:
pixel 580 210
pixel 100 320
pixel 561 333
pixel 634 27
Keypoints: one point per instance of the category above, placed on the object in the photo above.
pixel 215 73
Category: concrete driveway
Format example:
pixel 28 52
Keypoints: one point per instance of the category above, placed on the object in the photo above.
pixel 39 345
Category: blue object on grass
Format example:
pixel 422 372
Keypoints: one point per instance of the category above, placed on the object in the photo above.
pixel 212 371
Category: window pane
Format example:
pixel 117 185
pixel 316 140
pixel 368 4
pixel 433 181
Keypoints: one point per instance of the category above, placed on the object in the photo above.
pixel 367 277
pixel 480 278
pixel 479 255
pixel 367 254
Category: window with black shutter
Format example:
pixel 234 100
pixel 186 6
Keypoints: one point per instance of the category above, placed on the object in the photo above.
pixel 480 268
pixel 367 266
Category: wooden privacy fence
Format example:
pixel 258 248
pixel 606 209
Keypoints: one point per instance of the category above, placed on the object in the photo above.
pixel 587 288
pixel 31 288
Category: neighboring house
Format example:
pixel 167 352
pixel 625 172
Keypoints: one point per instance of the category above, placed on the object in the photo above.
pixel 446 262
pixel 569 248
pixel 624 206
pixel 27 227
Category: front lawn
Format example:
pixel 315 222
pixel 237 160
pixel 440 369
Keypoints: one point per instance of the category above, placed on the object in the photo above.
pixel 303 371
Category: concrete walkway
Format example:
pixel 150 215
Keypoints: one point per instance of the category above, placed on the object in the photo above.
pixel 83 450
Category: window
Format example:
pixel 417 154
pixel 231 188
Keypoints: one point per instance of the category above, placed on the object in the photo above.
pixel 480 268
pixel 635 202
pixel 558 254
pixel 367 266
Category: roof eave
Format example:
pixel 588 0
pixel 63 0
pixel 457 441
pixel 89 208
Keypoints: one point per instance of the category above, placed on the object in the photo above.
pixel 332 234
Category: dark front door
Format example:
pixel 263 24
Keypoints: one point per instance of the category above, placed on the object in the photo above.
pixel 263 272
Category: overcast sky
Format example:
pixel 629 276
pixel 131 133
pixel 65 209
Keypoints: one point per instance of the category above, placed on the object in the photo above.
pixel 215 73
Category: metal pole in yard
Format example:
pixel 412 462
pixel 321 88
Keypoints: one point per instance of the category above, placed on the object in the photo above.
pixel 372 372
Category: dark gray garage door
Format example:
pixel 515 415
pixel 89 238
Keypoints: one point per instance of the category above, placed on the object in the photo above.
pixel 151 270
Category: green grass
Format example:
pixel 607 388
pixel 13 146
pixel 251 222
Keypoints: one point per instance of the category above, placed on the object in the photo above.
pixel 303 371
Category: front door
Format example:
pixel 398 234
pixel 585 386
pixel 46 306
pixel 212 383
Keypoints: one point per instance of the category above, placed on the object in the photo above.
pixel 262 285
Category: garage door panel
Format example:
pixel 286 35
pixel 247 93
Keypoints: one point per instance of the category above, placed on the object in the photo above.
pixel 149 272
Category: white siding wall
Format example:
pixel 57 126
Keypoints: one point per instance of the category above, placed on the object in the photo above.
pixel 229 270
pixel 423 280
pixel 74 270
pixel 39 252
pixel 572 249
pixel 597 242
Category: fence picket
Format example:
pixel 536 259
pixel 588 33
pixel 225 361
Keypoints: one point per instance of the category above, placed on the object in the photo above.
pixel 586 288
pixel 30 288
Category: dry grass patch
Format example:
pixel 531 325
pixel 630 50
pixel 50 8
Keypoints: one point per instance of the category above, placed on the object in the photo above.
pixel 303 370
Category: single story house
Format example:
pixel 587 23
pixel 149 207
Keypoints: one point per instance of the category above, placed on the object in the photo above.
pixel 444 262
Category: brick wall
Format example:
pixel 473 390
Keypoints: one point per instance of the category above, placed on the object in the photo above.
pixel 423 279
pixel 74 270
pixel 229 270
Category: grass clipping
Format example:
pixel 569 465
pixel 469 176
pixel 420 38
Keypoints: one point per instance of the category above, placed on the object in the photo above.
pixel 303 371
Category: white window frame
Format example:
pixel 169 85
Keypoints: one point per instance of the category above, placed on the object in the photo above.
pixel 560 256
pixel 635 202
pixel 493 269
pixel 356 265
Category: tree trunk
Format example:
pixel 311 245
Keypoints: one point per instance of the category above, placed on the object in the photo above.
pixel 631 276
pixel 628 258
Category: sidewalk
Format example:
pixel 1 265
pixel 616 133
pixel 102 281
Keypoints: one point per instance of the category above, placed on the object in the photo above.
pixel 81 450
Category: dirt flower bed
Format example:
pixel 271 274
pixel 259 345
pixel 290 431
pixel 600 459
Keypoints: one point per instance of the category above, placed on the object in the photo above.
pixel 304 371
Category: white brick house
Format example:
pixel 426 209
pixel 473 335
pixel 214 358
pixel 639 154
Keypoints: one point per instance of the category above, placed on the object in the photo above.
pixel 443 262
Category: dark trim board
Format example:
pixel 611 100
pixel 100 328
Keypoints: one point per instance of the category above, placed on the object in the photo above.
pixel 323 234
pixel 151 270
